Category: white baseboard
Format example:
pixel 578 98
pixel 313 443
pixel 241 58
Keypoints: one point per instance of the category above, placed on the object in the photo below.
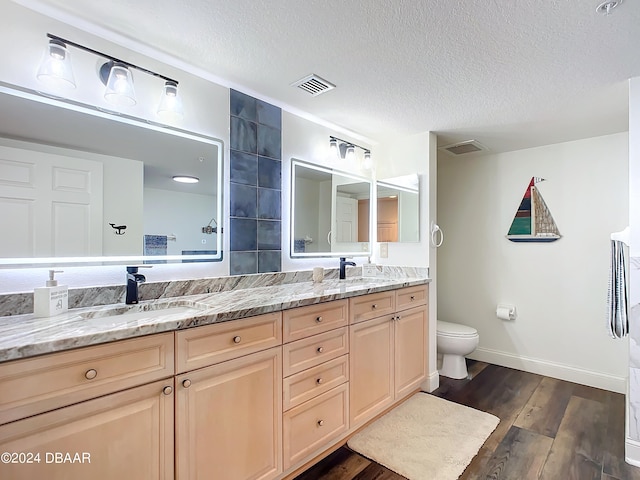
pixel 551 369
pixel 431 383
pixel 632 452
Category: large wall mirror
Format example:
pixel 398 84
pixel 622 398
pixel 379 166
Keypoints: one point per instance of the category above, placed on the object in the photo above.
pixel 398 212
pixel 83 186
pixel 330 212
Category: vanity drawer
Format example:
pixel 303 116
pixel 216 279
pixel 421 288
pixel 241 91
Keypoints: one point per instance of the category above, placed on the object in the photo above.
pixel 373 305
pixel 306 321
pixel 39 384
pixel 312 351
pixel 310 383
pixel 411 297
pixel 204 346
pixel 310 426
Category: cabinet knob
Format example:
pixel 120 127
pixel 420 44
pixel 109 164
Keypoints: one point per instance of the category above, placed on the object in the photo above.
pixel 412 298
pixel 91 374
pixel 319 381
pixel 320 349
pixel 186 383
pixel 167 390
pixel 374 306
pixel 320 423
pixel 398 317
pixel 237 339
pixel 319 319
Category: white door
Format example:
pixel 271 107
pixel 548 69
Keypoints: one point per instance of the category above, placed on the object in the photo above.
pixel 50 205
pixel 346 224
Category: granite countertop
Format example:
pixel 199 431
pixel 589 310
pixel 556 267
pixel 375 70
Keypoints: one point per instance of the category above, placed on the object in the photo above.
pixel 25 336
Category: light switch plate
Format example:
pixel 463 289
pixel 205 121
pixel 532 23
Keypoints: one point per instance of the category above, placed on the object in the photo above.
pixel 384 250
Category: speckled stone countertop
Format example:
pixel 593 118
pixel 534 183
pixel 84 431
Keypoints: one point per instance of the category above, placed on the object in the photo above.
pixel 25 336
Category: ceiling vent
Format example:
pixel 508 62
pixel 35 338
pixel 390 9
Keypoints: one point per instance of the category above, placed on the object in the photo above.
pixel 313 85
pixel 463 148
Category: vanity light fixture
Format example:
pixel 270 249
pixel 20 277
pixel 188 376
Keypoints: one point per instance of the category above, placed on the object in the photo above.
pixel 185 179
pixel 347 150
pixel 115 74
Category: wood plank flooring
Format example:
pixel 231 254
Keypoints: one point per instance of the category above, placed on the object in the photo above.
pixel 549 430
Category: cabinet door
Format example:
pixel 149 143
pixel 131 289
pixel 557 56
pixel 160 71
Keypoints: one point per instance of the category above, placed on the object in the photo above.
pixel 229 419
pixel 122 435
pixel 370 368
pixel 410 350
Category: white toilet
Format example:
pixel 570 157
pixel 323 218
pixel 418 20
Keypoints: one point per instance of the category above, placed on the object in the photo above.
pixel 454 341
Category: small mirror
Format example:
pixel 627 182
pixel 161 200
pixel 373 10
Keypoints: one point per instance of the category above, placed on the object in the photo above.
pixel 330 212
pixel 398 218
pixel 81 186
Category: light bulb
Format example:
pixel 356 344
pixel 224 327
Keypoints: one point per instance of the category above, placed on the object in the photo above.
pixel 119 89
pixel 55 68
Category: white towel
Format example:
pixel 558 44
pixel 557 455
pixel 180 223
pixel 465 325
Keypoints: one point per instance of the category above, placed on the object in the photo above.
pixel 617 301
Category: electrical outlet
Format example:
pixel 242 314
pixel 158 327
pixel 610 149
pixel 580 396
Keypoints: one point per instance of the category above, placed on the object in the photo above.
pixel 384 250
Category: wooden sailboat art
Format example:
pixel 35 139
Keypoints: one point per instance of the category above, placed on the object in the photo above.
pixel 533 221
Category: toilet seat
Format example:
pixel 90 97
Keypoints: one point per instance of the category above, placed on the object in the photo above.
pixel 455 330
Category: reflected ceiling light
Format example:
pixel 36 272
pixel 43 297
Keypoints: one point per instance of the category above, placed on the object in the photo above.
pixel 347 151
pixel 115 74
pixel 185 179
pixel 55 68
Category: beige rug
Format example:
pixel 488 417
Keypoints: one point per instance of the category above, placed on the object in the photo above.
pixel 425 438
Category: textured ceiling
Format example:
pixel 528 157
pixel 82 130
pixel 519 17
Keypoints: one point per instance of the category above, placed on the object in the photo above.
pixel 511 74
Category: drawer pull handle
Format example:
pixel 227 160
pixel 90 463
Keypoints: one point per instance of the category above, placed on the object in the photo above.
pixel 319 319
pixel 91 374
pixel 237 339
pixel 319 381
pixel 186 383
pixel 374 306
pixel 320 349
pixel 167 390
pixel 320 423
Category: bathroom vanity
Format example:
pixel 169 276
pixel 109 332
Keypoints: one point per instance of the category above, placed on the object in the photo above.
pixel 242 384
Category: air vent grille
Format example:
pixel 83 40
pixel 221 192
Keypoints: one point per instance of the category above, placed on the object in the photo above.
pixel 314 85
pixel 463 148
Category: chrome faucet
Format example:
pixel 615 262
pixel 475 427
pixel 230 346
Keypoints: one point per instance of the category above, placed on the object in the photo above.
pixel 343 264
pixel 133 280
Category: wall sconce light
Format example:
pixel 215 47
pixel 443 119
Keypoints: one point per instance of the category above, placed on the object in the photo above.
pixel 115 74
pixel 55 68
pixel 347 150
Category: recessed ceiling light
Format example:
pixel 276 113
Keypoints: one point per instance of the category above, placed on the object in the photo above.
pixel 185 179
pixel 605 7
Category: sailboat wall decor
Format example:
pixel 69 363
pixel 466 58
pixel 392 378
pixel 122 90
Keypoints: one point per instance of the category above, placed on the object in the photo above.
pixel 533 221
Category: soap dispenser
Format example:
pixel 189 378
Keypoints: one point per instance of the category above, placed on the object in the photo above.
pixel 52 299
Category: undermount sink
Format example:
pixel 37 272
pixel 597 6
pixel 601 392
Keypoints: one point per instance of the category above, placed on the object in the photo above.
pixel 144 310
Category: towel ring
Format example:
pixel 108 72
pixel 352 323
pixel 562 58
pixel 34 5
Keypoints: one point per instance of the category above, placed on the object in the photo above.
pixel 435 228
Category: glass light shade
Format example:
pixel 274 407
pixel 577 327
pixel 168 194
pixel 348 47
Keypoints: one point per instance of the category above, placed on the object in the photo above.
pixel 120 86
pixel 55 69
pixel 170 107
pixel 333 147
pixel 367 163
pixel 351 153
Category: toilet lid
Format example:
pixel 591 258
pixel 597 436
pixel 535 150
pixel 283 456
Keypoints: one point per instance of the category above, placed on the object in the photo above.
pixel 455 329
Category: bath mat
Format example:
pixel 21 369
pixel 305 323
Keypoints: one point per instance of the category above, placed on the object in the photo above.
pixel 425 438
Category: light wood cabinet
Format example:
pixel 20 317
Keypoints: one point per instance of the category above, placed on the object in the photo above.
pixel 228 419
pixel 388 353
pixel 123 435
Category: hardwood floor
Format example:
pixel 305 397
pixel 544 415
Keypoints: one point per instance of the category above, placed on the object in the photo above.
pixel 549 429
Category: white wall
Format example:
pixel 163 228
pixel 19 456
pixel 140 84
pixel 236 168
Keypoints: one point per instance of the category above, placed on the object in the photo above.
pixel 182 215
pixel 558 288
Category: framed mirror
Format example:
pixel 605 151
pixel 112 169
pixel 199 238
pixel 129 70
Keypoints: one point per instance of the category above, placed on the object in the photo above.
pixel 82 186
pixel 330 212
pixel 398 212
